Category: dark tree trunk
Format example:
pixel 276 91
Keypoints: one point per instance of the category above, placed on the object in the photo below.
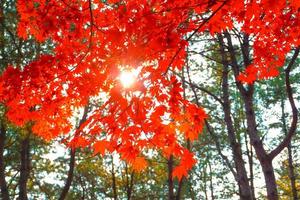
pixel 247 97
pixel 3 185
pixel 69 180
pixel 130 189
pixel 292 173
pixel 242 177
pixel 211 187
pixel 83 191
pixel 179 189
pixel 129 182
pixel 114 184
pixel 270 180
pixel 170 178
pixel 250 161
pixel 181 182
pixel 264 159
pixel 24 168
pixel 290 154
pixel 70 176
pixel 241 173
pixel 205 182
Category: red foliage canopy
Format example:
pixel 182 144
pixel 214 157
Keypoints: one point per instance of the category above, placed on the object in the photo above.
pixel 96 40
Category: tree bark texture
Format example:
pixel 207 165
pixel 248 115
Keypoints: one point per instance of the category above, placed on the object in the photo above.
pixel 70 176
pixel 241 173
pixel 24 168
pixel 3 184
pixel 170 178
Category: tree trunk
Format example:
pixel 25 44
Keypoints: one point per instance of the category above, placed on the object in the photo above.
pixel 270 180
pixel 264 159
pixel 181 182
pixel 114 184
pixel 129 182
pixel 170 178
pixel 3 185
pixel 242 177
pixel 247 97
pixel 211 187
pixel 290 154
pixel 24 168
pixel 130 189
pixel 179 189
pixel 249 151
pixel 292 173
pixel 69 180
pixel 83 191
pixel 241 173
pixel 205 182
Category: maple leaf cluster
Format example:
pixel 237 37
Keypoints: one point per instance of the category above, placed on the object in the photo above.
pixel 94 41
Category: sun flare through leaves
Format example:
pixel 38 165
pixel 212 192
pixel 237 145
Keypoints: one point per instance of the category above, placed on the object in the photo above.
pixel 128 78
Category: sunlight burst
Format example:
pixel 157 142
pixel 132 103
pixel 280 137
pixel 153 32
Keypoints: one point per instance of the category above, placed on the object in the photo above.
pixel 127 78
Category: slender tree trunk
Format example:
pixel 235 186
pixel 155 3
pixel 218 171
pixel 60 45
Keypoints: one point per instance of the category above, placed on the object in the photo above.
pixel 69 180
pixel 250 161
pixel 179 189
pixel 247 97
pixel 130 189
pixel 70 176
pixel 290 154
pixel 114 184
pixel 205 182
pixel 270 180
pixel 24 168
pixel 3 185
pixel 245 47
pixel 241 173
pixel 212 196
pixel 170 178
pixel 83 191
pixel 264 159
pixel 251 173
pixel 292 172
pixel 129 182
pixel 181 182
pixel 242 177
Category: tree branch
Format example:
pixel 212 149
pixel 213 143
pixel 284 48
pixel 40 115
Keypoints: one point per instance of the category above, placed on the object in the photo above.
pixel 218 145
pixel 289 92
pixel 200 88
pixel 194 33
